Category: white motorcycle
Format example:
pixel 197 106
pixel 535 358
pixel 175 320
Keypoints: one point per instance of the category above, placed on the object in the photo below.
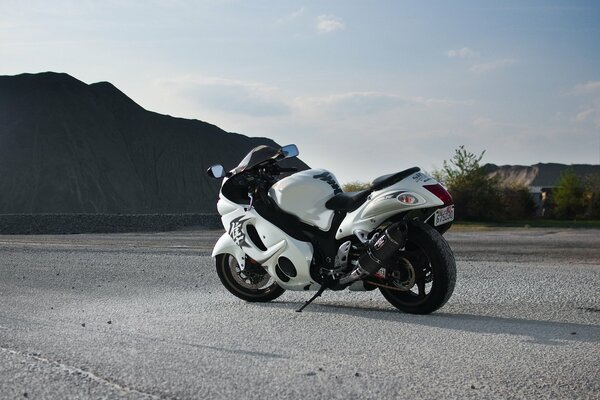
pixel 301 232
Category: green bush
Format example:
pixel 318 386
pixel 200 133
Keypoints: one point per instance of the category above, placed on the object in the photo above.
pixel 591 196
pixel 568 196
pixel 476 197
pixel 517 203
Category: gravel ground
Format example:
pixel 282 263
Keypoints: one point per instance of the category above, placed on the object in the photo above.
pixel 144 316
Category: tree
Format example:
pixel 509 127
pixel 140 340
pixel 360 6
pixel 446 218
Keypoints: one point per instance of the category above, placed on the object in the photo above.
pixel 568 195
pixel 463 165
pixel 476 197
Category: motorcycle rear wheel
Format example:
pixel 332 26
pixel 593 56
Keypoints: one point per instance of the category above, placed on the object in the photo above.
pixel 433 261
pixel 252 284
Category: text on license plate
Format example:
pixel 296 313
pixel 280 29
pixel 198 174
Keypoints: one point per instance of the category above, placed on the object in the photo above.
pixel 443 215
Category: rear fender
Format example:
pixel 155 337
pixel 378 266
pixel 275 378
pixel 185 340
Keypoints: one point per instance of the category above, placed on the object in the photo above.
pixel 226 245
pixel 383 204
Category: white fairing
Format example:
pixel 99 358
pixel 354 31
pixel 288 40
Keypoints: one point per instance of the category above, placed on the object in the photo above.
pixel 383 204
pixel 305 193
pixel 237 221
pixel 226 245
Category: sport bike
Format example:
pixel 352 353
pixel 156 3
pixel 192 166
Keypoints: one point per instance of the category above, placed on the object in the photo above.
pixel 297 230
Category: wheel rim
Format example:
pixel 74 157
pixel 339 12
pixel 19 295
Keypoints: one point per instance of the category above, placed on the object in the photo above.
pixel 416 261
pixel 253 278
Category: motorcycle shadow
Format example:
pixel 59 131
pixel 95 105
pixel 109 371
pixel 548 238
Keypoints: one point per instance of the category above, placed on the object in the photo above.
pixel 541 331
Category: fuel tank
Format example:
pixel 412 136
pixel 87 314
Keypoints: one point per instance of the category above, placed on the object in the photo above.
pixel 305 193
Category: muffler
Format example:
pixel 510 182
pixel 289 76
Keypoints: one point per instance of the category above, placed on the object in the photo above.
pixel 381 249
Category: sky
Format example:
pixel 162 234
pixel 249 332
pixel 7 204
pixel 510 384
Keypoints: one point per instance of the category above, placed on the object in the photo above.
pixel 363 88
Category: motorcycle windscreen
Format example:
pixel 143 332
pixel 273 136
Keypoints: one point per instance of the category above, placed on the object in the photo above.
pixel 256 156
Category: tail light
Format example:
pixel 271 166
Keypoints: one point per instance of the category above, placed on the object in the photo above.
pixel 440 192
pixel 408 199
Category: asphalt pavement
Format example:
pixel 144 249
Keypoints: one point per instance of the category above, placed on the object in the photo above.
pixel 139 316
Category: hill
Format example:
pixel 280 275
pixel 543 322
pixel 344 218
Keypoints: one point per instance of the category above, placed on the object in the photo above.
pixel 540 175
pixel 70 147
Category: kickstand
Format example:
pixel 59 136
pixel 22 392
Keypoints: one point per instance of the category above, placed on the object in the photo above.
pixel 319 293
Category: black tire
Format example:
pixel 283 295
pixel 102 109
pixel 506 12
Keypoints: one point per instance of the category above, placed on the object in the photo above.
pixel 435 267
pixel 250 291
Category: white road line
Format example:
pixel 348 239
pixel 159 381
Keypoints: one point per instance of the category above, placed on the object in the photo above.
pixel 78 371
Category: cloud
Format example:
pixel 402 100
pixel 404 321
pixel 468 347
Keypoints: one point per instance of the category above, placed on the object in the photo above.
pixel 258 99
pixel 588 87
pixel 291 16
pixel 231 95
pixel 363 103
pixel 329 23
pixel 483 122
pixel 433 102
pixel 351 103
pixel 492 65
pixel 465 52
pixel 592 114
pixel 584 115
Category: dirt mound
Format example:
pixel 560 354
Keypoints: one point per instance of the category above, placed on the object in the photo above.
pixel 70 147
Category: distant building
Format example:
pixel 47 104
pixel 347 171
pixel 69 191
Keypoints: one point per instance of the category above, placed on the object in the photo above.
pixel 542 198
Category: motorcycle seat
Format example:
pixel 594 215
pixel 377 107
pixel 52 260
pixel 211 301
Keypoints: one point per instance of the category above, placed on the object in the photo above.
pixel 388 180
pixel 348 201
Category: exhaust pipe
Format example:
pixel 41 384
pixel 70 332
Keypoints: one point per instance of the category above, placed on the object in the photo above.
pixel 379 252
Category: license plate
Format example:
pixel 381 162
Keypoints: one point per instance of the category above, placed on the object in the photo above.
pixel 443 216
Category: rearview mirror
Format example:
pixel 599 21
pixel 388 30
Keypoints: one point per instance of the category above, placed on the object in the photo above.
pixel 216 171
pixel 289 151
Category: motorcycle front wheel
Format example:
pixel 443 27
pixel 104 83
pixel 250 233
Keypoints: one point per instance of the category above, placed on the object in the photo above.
pixel 252 284
pixel 432 270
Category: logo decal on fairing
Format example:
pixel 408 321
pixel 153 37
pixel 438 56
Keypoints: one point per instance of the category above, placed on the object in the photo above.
pixel 330 180
pixel 236 232
pixel 420 176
